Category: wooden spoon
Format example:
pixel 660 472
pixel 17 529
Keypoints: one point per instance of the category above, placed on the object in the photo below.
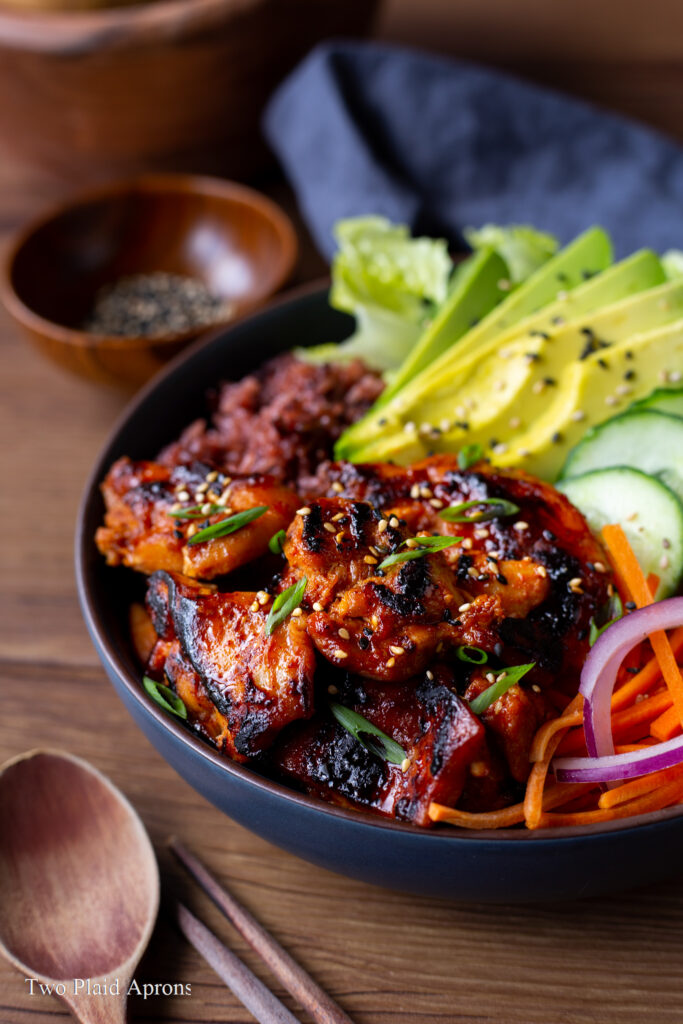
pixel 79 883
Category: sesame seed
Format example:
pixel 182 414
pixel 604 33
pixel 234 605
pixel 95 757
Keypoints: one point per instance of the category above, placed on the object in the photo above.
pixel 478 769
pixel 623 389
pixel 329 527
pixel 374 550
pixel 411 543
pixel 317 607
pixel 304 511
pixel 332 689
pixel 410 427
pixel 338 653
pixel 520 526
pixel 183 495
pixel 461 412
pixel 599 566
pixel 674 376
pixel 382 525
pixel 192 529
pixel 255 606
pixel 176 507
pixel 339 515
pixel 390 662
pixel 473 572
pixel 414 493
pixel 429 674
pixel 482 533
pixel 575 581
pixel 223 500
pixel 435 503
pixel 426 492
pixel 445 426
pixel 467 543
pixel 296 613
pixel 541 571
pixel 538 387
pixel 439 647
pixel 396 649
pixel 490 678
pixel 374 622
pixel 339 537
pixel 198 496
pixel 523 452
pixel 344 633
pixel 465 607
pixel 405 764
pixel 210 477
pixel 499 449
pixel 263 597
pixel 370 560
pixel 393 522
pixel 578 415
pixel 664 562
pixel 535 687
pixel 611 400
pixel 337 487
pixel 515 423
pixel 202 487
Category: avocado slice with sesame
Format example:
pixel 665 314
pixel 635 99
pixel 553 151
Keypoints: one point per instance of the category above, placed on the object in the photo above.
pixel 591 391
pixel 550 287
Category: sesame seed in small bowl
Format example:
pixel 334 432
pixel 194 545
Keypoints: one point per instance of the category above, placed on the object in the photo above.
pixel 115 283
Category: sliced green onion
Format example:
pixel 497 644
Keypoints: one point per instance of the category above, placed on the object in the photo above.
pixel 616 609
pixel 472 655
pixel 368 735
pixel 469 454
pixel 499 509
pixel 275 544
pixel 195 511
pixel 164 697
pixel 229 525
pixel 504 681
pixel 425 546
pixel 285 603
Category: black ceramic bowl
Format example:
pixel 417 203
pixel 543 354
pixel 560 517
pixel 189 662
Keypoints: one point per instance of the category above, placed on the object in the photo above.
pixel 508 865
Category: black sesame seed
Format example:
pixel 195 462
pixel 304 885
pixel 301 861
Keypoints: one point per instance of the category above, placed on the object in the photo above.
pixel 630 606
pixel 630 375
pixel 603 364
pixel 556 438
pixel 501 579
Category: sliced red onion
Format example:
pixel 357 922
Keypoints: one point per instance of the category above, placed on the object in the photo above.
pixel 598 678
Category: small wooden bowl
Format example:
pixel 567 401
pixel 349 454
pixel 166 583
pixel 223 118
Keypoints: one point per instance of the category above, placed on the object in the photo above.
pixel 237 242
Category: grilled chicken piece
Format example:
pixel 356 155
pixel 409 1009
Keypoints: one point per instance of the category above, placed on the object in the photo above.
pixel 139 531
pixel 541 564
pixel 435 728
pixel 259 683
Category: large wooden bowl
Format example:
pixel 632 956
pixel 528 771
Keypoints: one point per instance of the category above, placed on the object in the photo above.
pixel 236 241
pixel 174 84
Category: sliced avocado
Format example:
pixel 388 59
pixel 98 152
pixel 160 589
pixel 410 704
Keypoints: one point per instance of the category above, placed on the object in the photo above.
pixel 496 388
pixel 480 285
pixel 591 391
pixel 583 258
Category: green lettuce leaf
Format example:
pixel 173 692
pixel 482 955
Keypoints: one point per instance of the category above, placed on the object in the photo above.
pixel 523 248
pixel 392 284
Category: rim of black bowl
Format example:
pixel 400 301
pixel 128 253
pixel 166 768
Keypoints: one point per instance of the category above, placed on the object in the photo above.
pixel 96 624
pixel 152 182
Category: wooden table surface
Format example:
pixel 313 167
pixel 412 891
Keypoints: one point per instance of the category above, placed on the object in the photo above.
pixel 386 957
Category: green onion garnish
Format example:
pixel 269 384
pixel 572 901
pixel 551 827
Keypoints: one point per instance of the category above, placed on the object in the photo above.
pixel 368 735
pixel 275 544
pixel 499 508
pixel 504 681
pixel 425 546
pixel 472 655
pixel 469 454
pixel 616 609
pixel 164 697
pixel 195 511
pixel 229 525
pixel 285 603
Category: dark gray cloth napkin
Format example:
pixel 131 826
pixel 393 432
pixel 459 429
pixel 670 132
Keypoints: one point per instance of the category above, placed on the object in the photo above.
pixel 442 144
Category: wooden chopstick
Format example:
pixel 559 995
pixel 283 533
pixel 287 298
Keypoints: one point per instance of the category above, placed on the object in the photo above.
pixel 259 1000
pixel 322 1008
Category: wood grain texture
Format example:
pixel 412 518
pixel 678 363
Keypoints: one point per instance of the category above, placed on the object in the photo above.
pixel 386 958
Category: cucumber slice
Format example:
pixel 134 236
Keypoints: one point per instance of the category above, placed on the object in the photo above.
pixel 643 439
pixel 649 512
pixel 663 400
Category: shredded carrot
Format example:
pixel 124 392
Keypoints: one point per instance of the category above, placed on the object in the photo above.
pixel 637 787
pixel 572 716
pixel 652 582
pixel 627 568
pixel 663 796
pixel 647 675
pixel 624 722
pixel 555 796
pixel 666 726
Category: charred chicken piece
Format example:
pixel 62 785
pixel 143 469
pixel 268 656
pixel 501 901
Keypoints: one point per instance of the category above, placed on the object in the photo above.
pixel 140 532
pixel 541 564
pixel 259 683
pixel 435 728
